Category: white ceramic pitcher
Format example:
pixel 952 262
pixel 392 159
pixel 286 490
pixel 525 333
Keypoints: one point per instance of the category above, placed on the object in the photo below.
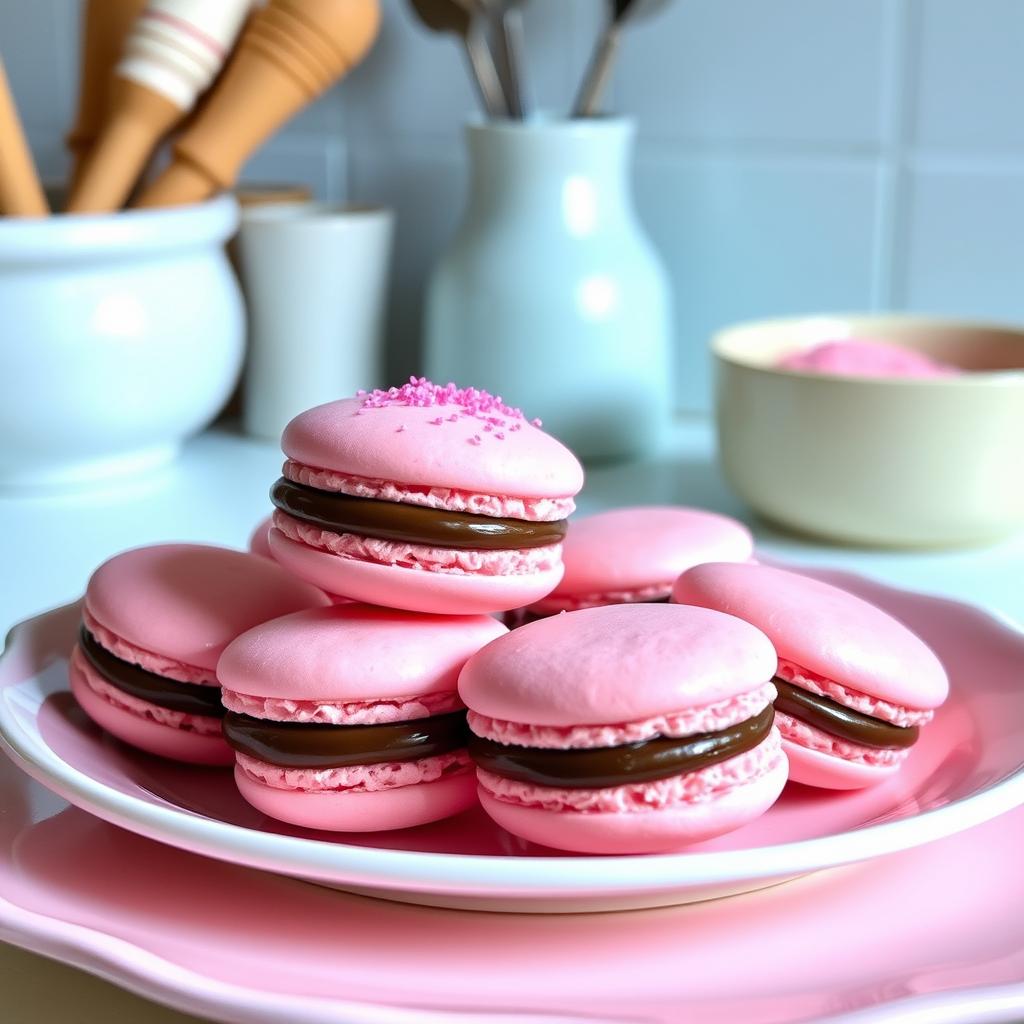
pixel 551 295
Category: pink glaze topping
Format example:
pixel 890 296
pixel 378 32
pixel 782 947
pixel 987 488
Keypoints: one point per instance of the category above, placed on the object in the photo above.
pixel 353 660
pixel 690 722
pixel 636 554
pixel 204 725
pixel 803 735
pixel 510 562
pixel 620 663
pixel 865 357
pixel 162 666
pixel 700 786
pixel 423 437
pixel 830 633
pixel 187 602
pixel 352 712
pixel 365 778
pixel 534 510
pixel 873 706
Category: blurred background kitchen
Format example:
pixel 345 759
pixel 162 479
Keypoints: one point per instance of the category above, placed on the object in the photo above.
pixel 792 156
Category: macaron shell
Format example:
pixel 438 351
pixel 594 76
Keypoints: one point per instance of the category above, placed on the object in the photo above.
pixel 258 543
pixel 354 652
pixel 154 738
pixel 411 589
pixel 823 629
pixel 189 601
pixel 345 811
pixel 654 831
pixel 630 548
pixel 617 663
pixel 826 771
pixel 405 444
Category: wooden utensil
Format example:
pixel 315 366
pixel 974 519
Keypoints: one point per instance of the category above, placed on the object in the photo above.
pixel 290 52
pixel 21 194
pixel 172 53
pixel 465 18
pixel 599 69
pixel 105 23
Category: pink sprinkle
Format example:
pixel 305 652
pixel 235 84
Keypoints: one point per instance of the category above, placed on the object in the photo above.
pixel 500 436
pixel 536 422
pixel 400 429
pixel 488 428
pixel 421 393
pixel 437 422
pixel 475 439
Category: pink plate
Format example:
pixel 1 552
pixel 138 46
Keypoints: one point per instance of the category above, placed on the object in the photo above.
pixel 933 934
pixel 968 768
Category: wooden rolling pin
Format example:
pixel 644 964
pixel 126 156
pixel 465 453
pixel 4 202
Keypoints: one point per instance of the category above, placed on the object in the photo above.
pixel 290 52
pixel 104 26
pixel 171 55
pixel 21 195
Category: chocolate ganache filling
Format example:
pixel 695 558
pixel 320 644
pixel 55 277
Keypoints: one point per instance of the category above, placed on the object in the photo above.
pixel 602 767
pixel 191 698
pixel 392 520
pixel 840 721
pixel 315 745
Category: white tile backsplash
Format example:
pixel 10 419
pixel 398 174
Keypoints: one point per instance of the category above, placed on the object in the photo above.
pixel 794 154
pixel 742 71
pixel 964 228
pixel 971 74
pixel 754 238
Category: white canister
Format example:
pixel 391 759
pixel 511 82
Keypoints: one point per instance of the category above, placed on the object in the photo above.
pixel 551 294
pixel 122 335
pixel 315 278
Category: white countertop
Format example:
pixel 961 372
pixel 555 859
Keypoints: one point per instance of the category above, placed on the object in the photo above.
pixel 217 491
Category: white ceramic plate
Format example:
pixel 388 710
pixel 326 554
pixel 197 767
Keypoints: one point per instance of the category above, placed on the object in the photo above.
pixel 967 768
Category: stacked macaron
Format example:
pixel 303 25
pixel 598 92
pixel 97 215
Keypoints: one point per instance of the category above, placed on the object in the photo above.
pixel 438 506
pixel 626 728
pixel 855 686
pixel 629 555
pixel 154 623
pixel 432 499
pixel 349 718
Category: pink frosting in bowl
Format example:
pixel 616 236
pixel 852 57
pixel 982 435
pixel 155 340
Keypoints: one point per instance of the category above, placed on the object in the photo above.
pixel 865 357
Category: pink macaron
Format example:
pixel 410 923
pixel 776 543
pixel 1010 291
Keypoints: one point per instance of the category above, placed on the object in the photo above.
pixel 349 718
pixel 628 555
pixel 855 686
pixel 631 728
pixel 259 539
pixel 426 498
pixel 154 623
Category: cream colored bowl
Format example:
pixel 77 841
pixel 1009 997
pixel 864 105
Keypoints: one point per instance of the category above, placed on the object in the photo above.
pixel 900 462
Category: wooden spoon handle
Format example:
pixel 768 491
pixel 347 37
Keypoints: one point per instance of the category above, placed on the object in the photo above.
pixel 21 195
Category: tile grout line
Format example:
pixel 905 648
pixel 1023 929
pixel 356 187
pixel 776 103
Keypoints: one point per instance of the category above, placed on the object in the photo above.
pixel 895 197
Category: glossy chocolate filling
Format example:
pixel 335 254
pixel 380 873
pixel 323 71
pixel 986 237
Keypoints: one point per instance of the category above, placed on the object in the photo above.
pixel 602 767
pixel 313 745
pixel 840 721
pixel 392 520
pixel 191 698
